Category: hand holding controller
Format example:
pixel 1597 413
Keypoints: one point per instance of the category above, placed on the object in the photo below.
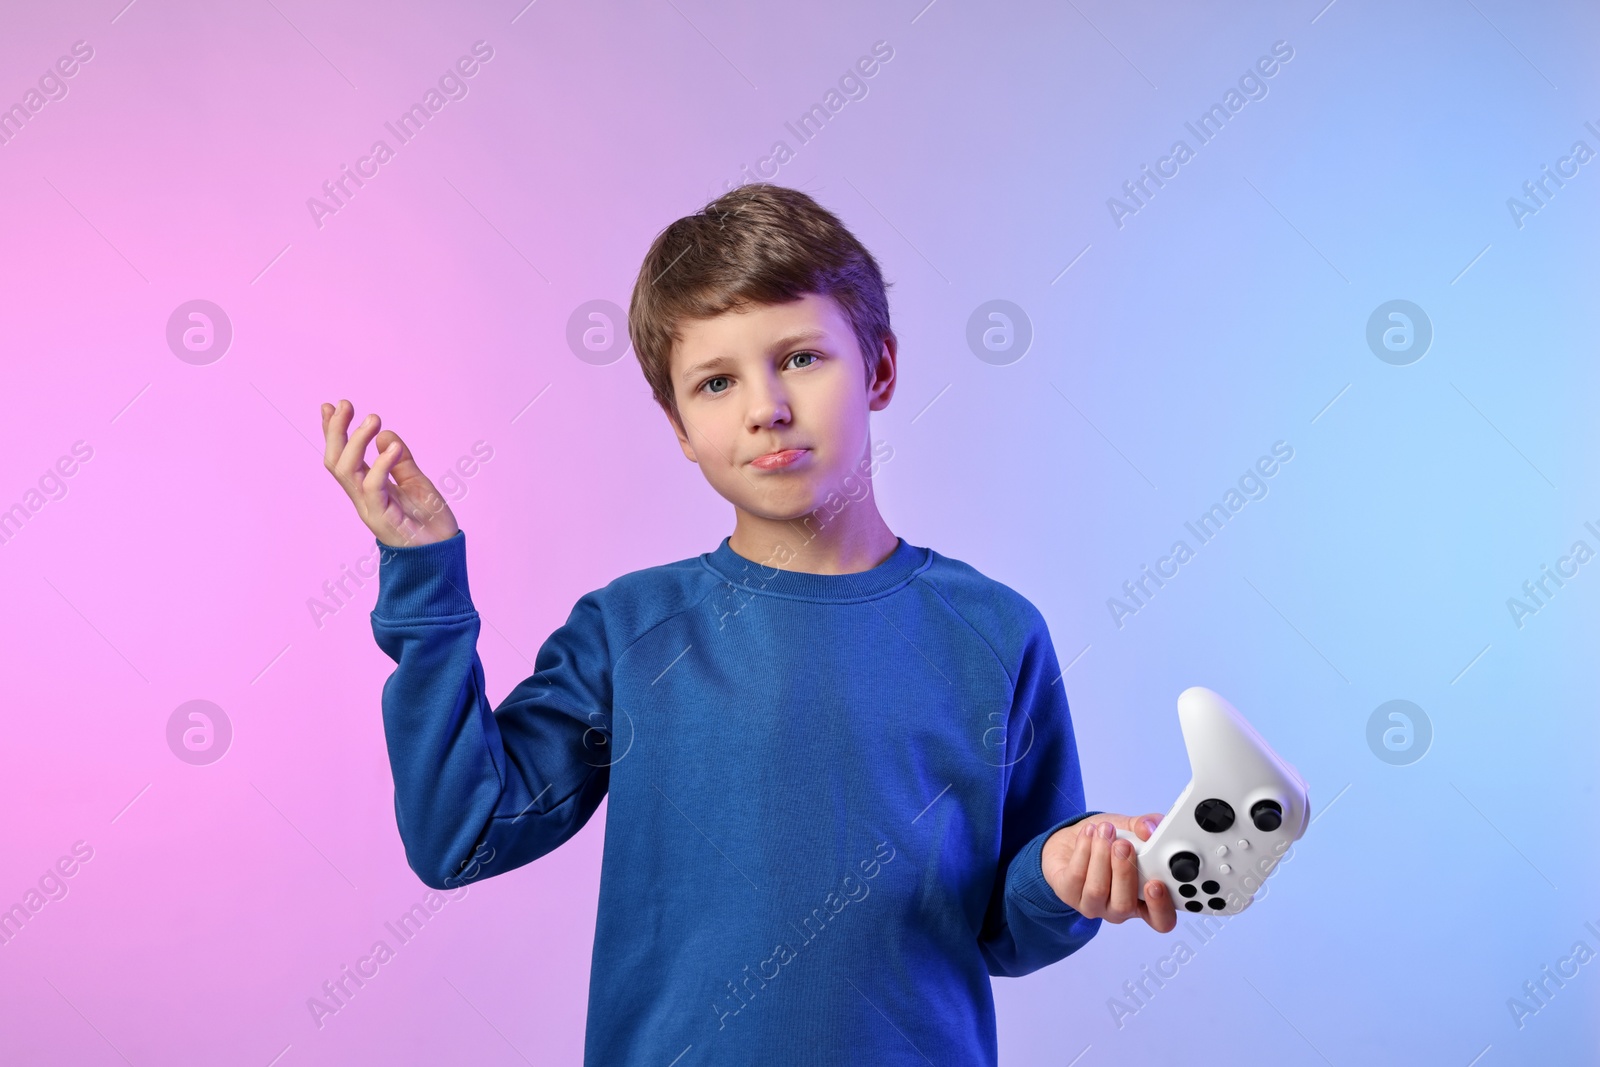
pixel 1243 808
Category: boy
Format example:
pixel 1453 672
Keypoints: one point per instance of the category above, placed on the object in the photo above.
pixel 844 788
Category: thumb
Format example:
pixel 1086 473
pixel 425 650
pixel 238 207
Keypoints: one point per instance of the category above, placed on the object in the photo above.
pixel 1145 825
pixel 404 466
pixel 1121 822
pixel 1141 826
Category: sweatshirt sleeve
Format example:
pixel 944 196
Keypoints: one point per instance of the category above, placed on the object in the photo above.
pixel 1027 925
pixel 477 791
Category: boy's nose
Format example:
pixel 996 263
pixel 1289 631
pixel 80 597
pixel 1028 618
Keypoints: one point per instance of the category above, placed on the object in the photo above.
pixel 768 405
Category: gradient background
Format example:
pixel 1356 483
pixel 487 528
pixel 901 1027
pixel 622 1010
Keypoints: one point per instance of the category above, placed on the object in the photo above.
pixel 1228 314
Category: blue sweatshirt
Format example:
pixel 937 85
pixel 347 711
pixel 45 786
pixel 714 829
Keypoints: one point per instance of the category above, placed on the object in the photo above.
pixel 828 795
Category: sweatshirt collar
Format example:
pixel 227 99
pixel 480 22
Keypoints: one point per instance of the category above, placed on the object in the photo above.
pixel 903 564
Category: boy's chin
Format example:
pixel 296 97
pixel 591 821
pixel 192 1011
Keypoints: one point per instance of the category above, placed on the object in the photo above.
pixel 780 508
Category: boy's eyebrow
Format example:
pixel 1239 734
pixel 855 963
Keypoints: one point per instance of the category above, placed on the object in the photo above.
pixel 797 338
pixel 782 342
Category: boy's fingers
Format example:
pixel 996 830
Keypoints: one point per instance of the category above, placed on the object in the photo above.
pixel 1077 866
pixel 352 461
pixel 373 482
pixel 1145 825
pixel 405 464
pixel 1160 911
pixel 1097 879
pixel 1124 898
pixel 333 427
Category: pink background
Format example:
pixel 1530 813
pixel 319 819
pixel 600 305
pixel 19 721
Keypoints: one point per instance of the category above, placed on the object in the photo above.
pixel 1225 315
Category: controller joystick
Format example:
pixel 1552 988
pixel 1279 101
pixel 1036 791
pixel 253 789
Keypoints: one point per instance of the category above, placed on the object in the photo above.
pixel 1210 858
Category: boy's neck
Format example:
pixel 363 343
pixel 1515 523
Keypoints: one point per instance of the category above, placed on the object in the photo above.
pixel 855 540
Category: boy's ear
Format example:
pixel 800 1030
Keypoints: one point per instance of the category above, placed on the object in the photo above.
pixel 881 381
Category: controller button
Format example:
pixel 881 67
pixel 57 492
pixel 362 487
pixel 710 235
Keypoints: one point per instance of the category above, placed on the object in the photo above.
pixel 1186 890
pixel 1222 850
pixel 1224 868
pixel 1210 887
pixel 1242 843
pixel 1218 903
pixel 1184 866
pixel 1267 815
pixel 1193 905
pixel 1214 816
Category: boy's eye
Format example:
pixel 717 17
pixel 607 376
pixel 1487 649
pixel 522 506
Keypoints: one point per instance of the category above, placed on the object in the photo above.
pixel 709 387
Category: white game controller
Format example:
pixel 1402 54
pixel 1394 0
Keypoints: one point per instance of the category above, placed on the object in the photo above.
pixel 1243 808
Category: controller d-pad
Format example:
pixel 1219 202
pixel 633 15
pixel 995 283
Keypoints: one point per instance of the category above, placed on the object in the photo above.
pixel 1194 905
pixel 1210 887
pixel 1186 890
pixel 1213 815
pixel 1267 815
pixel 1184 866
pixel 1217 903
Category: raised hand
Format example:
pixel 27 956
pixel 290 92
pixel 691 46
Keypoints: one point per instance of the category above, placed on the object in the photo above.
pixel 403 512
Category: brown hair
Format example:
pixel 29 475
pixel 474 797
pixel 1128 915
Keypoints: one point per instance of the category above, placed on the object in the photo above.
pixel 757 244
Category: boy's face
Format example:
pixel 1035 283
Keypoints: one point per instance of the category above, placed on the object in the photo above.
pixel 785 378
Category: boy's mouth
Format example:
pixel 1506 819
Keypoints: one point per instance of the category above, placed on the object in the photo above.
pixel 778 460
